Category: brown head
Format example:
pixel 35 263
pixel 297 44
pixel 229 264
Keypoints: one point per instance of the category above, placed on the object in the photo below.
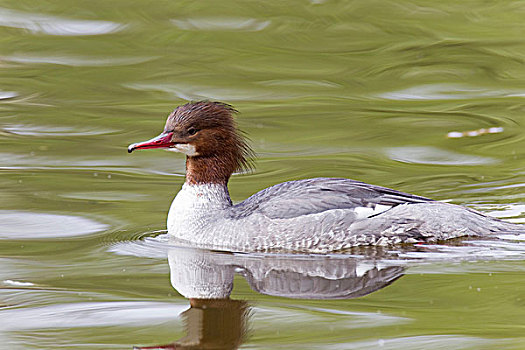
pixel 206 132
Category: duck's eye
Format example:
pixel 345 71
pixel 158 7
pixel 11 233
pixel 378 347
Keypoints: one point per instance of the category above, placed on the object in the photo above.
pixel 192 131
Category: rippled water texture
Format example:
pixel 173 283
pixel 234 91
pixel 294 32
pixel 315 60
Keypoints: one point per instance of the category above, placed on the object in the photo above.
pixel 424 97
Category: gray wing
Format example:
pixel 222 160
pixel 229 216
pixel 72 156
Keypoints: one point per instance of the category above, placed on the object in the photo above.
pixel 295 198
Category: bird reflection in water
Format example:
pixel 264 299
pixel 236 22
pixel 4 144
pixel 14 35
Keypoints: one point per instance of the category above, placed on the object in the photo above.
pixel 214 321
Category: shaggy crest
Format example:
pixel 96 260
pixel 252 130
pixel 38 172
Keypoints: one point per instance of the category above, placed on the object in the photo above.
pixel 222 147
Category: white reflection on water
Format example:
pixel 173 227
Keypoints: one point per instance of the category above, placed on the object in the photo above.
pixel 300 83
pixel 189 92
pixel 7 94
pixel 436 156
pixel 446 92
pixel 31 161
pixel 505 247
pixel 428 342
pixel 42 130
pixel 52 25
pixel 95 314
pixel 27 225
pixel 12 161
pixel 17 283
pixel 78 61
pixel 109 196
pixel 221 23
pixel 474 133
pixel 356 319
pixel 490 186
pixel 507 211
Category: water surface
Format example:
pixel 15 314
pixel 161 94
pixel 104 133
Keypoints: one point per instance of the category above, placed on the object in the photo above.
pixel 401 94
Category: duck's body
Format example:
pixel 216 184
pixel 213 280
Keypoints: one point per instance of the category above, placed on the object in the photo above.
pixel 313 215
pixel 318 215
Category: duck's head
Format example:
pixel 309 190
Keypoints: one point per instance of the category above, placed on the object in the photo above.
pixel 207 134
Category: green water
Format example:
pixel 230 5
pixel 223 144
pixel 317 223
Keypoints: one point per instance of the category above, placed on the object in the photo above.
pixel 367 90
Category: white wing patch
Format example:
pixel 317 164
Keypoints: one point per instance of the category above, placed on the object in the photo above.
pixel 366 212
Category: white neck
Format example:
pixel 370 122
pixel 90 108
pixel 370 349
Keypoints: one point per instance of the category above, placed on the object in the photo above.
pixel 195 204
pixel 209 196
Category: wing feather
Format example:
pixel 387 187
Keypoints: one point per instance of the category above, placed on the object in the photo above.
pixel 302 197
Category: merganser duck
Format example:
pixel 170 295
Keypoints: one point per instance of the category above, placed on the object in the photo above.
pixel 313 215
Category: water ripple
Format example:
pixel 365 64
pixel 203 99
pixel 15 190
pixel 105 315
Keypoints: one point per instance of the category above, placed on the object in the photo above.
pixel 53 25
